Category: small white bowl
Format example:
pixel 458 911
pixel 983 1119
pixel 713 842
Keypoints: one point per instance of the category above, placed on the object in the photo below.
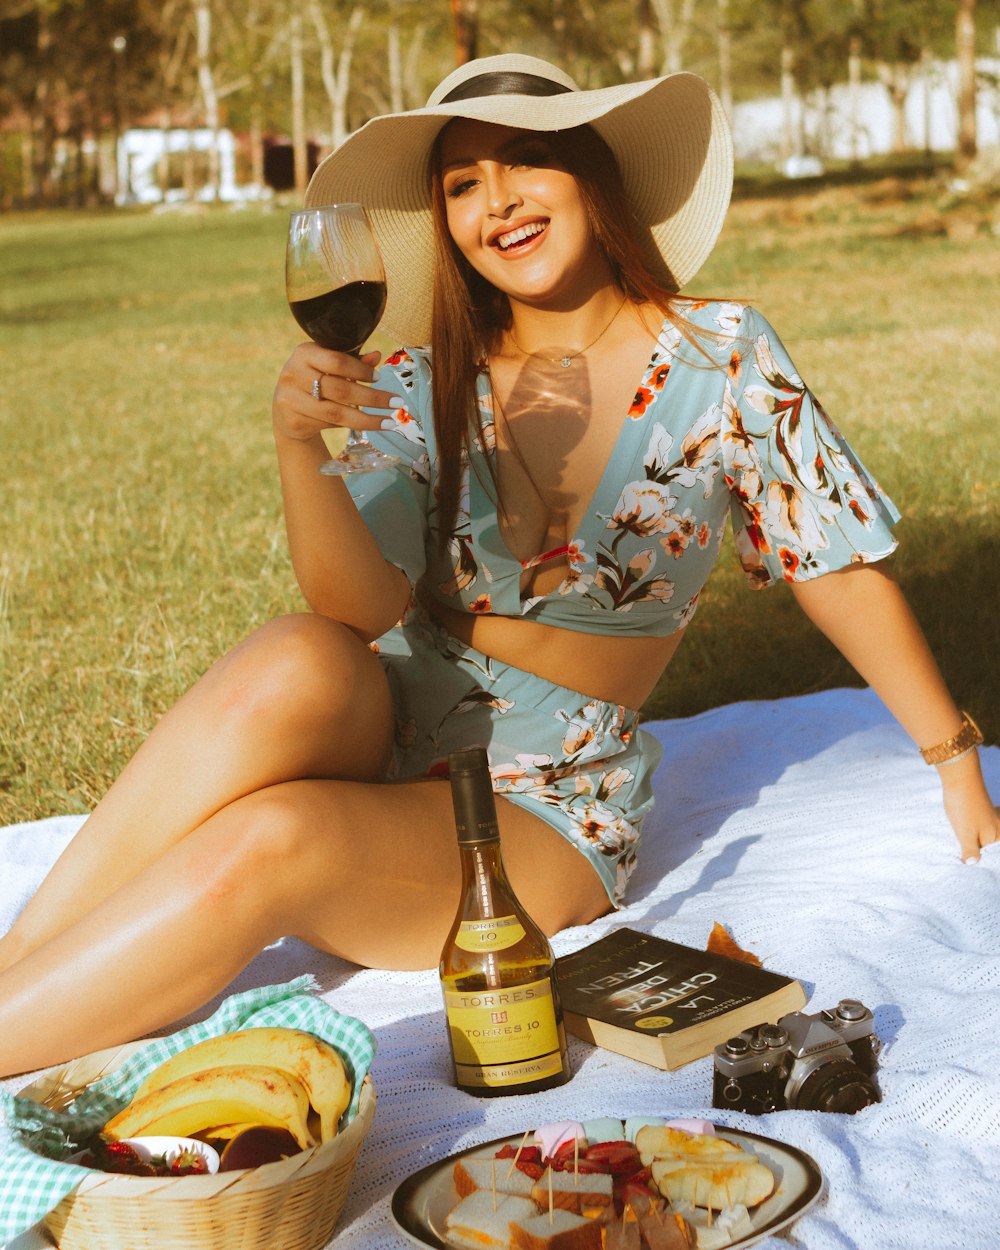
pixel 149 1147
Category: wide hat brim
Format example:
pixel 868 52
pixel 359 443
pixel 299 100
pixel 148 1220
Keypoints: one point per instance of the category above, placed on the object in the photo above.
pixel 669 136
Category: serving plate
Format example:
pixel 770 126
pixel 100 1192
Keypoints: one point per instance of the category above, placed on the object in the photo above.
pixel 422 1202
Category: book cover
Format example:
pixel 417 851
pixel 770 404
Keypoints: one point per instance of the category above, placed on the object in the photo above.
pixel 664 1003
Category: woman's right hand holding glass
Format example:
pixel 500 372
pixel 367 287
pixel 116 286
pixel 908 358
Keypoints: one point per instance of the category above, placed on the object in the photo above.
pixel 320 389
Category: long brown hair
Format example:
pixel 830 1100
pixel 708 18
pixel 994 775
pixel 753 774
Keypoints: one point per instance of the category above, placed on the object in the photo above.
pixel 470 315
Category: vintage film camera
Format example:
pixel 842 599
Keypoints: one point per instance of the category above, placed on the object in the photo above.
pixel 820 1062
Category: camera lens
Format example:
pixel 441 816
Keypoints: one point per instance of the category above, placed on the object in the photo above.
pixel 837 1086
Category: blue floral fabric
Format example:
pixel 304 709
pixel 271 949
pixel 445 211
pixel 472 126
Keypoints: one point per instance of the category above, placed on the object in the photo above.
pixel 722 426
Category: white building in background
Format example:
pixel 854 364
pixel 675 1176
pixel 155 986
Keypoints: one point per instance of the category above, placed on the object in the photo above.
pixel 140 153
pixel 832 126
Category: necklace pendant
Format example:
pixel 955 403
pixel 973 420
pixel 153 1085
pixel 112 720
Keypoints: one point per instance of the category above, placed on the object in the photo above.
pixel 566 361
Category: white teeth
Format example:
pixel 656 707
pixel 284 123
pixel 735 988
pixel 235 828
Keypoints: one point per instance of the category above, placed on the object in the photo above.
pixel 516 236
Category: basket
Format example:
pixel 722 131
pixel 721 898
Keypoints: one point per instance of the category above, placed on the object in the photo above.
pixel 293 1204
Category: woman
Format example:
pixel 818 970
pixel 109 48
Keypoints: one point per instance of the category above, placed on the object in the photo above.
pixel 543 544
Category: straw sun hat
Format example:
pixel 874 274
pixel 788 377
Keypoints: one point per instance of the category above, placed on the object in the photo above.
pixel 669 136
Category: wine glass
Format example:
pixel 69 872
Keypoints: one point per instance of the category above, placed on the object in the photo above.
pixel 336 290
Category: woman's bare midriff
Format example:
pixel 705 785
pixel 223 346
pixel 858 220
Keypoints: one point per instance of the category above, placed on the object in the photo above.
pixel 616 670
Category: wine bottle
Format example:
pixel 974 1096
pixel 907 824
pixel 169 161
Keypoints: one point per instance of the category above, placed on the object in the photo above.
pixel 497 969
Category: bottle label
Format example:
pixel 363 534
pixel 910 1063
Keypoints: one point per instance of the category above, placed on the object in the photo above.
pixel 496 933
pixel 505 1036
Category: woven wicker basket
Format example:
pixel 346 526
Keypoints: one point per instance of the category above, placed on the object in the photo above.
pixel 290 1205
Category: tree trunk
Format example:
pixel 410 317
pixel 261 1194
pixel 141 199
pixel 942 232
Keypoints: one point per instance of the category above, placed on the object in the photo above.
pixel 789 103
pixel 465 15
pixel 41 128
pixel 725 50
pixel 300 150
pixel 646 52
pixel 675 30
pixel 854 96
pixel 256 144
pixel 926 87
pixel 336 77
pixel 413 93
pixel 896 80
pixel 564 49
pixel 395 58
pixel 206 84
pixel 163 164
pixel 965 45
pixel 79 165
pixel 27 161
pixel 899 89
pixel 170 62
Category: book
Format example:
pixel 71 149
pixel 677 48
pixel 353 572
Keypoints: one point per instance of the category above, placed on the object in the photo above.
pixel 663 1003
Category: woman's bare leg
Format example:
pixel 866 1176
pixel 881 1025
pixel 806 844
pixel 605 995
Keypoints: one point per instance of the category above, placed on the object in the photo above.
pixel 301 697
pixel 366 871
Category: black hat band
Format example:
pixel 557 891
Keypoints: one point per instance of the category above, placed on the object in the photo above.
pixel 503 82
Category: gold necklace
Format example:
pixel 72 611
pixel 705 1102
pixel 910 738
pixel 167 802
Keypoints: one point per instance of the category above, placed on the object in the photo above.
pixel 567 358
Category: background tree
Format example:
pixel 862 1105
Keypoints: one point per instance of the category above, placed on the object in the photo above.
pixel 465 15
pixel 172 62
pixel 335 72
pixel 254 39
pixel 965 44
pixel 900 38
pixel 204 52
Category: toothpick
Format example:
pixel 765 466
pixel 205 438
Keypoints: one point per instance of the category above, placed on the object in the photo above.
pixel 493 1178
pixel 550 1196
pixel 576 1163
pixel 517 1153
pixel 625 1210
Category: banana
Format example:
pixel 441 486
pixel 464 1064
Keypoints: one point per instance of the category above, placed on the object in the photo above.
pixel 247 1093
pixel 302 1055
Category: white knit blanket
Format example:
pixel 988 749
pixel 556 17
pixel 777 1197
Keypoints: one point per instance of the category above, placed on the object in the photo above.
pixel 811 828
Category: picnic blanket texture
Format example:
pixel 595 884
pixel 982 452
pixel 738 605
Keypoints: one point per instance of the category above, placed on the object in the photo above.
pixel 813 831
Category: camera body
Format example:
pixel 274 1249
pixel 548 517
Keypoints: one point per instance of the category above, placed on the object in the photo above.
pixel 820 1062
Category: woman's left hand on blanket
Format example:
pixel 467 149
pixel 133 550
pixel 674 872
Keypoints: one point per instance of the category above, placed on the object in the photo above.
pixel 973 817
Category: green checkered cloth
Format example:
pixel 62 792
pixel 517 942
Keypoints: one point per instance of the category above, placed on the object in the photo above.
pixel 34 1138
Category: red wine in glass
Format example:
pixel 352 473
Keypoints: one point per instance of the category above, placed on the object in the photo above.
pixel 344 318
pixel 336 291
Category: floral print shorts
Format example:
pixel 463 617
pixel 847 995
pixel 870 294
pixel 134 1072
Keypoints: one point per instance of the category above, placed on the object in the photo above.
pixel 578 763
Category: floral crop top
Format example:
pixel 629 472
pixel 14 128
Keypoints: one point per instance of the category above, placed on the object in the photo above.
pixel 737 434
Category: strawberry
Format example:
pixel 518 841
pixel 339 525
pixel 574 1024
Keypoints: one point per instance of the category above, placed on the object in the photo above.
pixel 118 1156
pixel 188 1162
pixel 529 1154
pixel 620 1157
pixel 635 1190
pixel 562 1160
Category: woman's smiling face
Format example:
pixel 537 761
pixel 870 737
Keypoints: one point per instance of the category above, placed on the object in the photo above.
pixel 517 215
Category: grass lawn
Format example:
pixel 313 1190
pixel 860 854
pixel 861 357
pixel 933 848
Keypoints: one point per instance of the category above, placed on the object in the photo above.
pixel 140 516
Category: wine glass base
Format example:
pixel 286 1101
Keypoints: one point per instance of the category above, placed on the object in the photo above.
pixel 354 460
